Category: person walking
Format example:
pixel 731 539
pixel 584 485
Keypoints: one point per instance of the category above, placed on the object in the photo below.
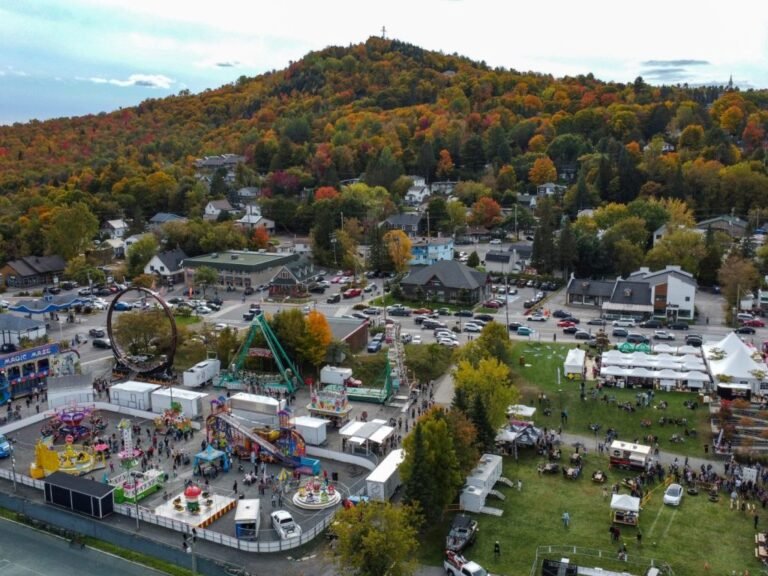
pixel 566 519
pixel 497 549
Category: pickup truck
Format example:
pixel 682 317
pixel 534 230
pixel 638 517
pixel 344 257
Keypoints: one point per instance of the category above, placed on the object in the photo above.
pixel 456 565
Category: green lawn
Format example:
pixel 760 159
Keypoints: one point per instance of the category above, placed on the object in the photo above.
pixel 686 537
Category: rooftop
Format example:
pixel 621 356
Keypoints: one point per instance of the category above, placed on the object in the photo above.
pixel 240 260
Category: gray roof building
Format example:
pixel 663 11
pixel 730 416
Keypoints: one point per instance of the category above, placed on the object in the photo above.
pixel 446 281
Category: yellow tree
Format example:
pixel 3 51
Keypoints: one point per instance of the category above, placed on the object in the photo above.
pixel 542 171
pixel 486 212
pixel 316 339
pixel 445 165
pixel 399 248
pixel 490 380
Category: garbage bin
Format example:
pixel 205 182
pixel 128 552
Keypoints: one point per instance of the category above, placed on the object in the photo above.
pixel 335 476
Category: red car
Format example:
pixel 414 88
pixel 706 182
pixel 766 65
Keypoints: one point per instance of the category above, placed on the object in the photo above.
pixel 423 311
pixel 565 324
pixel 755 323
pixel 352 292
pixel 491 304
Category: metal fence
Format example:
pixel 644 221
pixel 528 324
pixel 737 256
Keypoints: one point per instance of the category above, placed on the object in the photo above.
pixel 592 555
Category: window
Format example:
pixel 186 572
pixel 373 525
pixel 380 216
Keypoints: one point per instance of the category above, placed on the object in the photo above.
pixel 687 298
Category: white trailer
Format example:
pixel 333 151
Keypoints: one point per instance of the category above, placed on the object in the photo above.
pixel 313 430
pixel 191 402
pixel 385 478
pixel 202 373
pixel 133 394
pixel 256 403
pixel 337 376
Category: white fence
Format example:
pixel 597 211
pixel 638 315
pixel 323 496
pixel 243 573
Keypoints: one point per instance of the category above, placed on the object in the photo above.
pixel 223 539
pixel 17 477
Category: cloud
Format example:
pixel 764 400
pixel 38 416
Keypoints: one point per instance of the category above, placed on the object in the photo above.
pixel 663 72
pixel 676 63
pixel 234 64
pixel 143 80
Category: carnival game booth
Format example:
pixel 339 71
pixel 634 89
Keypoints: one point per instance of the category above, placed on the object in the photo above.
pixel 573 367
pixel 313 430
pixel 625 509
pixel 78 494
pixel 360 436
pixel 628 456
pixel 208 462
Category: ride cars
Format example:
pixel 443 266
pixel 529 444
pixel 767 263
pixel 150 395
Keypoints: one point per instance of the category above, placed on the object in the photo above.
pixel 372 311
pixel 448 342
pixel 424 311
pixel 513 326
pixel 694 340
pixel 673 495
pixel 635 338
pixel 484 317
pixel 663 335
pixel 284 525
pixel 444 311
pixel 560 313
pixel 400 311
pixel 359 316
pixel 123 306
pixel 570 329
pixel 495 241
pixel 565 324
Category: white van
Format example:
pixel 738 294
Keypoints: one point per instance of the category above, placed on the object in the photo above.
pixel 248 519
pixel 625 322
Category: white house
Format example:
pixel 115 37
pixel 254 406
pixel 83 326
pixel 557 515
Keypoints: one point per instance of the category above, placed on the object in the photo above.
pixel 498 261
pixel 550 189
pixel 253 219
pixel 115 228
pixel 216 207
pixel 428 251
pixel 131 240
pixel 167 267
pixel 416 195
pixel 673 291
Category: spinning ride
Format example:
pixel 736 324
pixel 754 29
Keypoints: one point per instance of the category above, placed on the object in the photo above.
pixel 316 494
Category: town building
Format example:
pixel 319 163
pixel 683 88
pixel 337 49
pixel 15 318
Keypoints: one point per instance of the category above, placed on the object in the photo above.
pixel 498 261
pixel 32 271
pixel 214 208
pixel 447 281
pixel 293 278
pixel 427 251
pixel 162 218
pixel 167 267
pixel 352 331
pixel 253 219
pixel 114 229
pixel 412 223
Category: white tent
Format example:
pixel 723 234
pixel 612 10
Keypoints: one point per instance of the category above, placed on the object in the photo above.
pixel 625 502
pixel 689 350
pixel 665 348
pixel 574 361
pixel 612 371
pixel 733 359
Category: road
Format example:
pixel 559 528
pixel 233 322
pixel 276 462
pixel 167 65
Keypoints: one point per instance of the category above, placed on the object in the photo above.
pixel 25 551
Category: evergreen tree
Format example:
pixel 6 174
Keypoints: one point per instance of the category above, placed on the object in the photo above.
pixel 710 264
pixel 418 480
pixel 474 260
pixel 566 249
pixel 486 435
pixel 460 400
pixel 383 170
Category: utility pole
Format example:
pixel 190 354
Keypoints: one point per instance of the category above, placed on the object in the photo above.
pixel 428 227
pixel 517 236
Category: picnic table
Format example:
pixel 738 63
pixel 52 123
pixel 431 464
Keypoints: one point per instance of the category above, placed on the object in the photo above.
pixel 572 473
pixel 548 468
pixel 599 476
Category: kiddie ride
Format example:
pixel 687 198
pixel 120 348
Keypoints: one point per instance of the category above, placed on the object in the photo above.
pixel 172 419
pixel 69 421
pixel 316 494
pixel 71 458
pixel 284 444
pixel 132 485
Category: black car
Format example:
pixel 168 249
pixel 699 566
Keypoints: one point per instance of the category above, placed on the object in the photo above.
pixel 103 292
pixel 513 326
pixel 570 330
pixel 694 340
pixel 213 306
pixel 249 316
pixel 485 317
pixel 8 348
pixel 620 332
pixel 317 289
pixel 571 319
pixel 678 326
pixel 218 301
pixel 582 335
pixel 53 290
pixel 97 333
pixel 400 312
pixel 248 290
pixel 101 343
pixel 745 330
pixel 653 323
pixel 560 314
pixel 637 338
pixel 464 313
pixel 334 299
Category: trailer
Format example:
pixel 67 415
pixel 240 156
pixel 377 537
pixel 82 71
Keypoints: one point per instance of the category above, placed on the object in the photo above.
pixel 312 429
pixel 248 519
pixel 385 478
pixel 256 403
pixel 202 373
pixel 191 402
pixel 132 394
pixel 338 376
pixel 629 456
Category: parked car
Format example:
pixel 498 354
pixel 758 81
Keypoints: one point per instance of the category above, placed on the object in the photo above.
pixel 101 343
pixel 673 495
pixel 374 346
pixel 333 299
pixel 283 523
pixel 400 312
pixel 583 335
pixel 406 338
pixel 352 293
pixel 203 310
pixel 755 323
pixel 492 304
pixel 121 306
pixel 663 335
pixel 484 317
pixel 524 331
pixel 678 326
pixel 317 289
pixel 625 322
pixel 425 311
pixel 745 330
pixel 537 318
pixel 620 332
pixel 97 333
pixel 84 292
pixel 444 311
pixel 652 323
pixel 372 311
pixel 495 241
pixel 464 313
pixel 359 316
pixel 248 290
pixel 470 327
pixel 597 322
pixel 8 347
pixel 416 339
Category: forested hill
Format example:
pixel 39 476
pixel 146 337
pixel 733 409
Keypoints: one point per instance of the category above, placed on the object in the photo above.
pixel 331 115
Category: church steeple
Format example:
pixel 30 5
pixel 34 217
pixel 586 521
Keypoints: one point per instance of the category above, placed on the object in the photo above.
pixel 729 88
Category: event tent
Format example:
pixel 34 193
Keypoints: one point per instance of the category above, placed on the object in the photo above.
pixel 732 359
pixel 574 361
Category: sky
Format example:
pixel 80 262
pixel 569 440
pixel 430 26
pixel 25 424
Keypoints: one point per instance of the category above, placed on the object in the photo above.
pixel 74 57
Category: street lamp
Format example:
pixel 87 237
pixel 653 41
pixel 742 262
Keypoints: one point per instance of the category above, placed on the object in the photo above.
pixel 13 466
pixel 136 498
pixel 187 544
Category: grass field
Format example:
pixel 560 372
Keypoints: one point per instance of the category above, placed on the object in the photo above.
pixel 687 537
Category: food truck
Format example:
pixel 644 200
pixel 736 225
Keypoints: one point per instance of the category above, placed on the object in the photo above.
pixel 628 455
